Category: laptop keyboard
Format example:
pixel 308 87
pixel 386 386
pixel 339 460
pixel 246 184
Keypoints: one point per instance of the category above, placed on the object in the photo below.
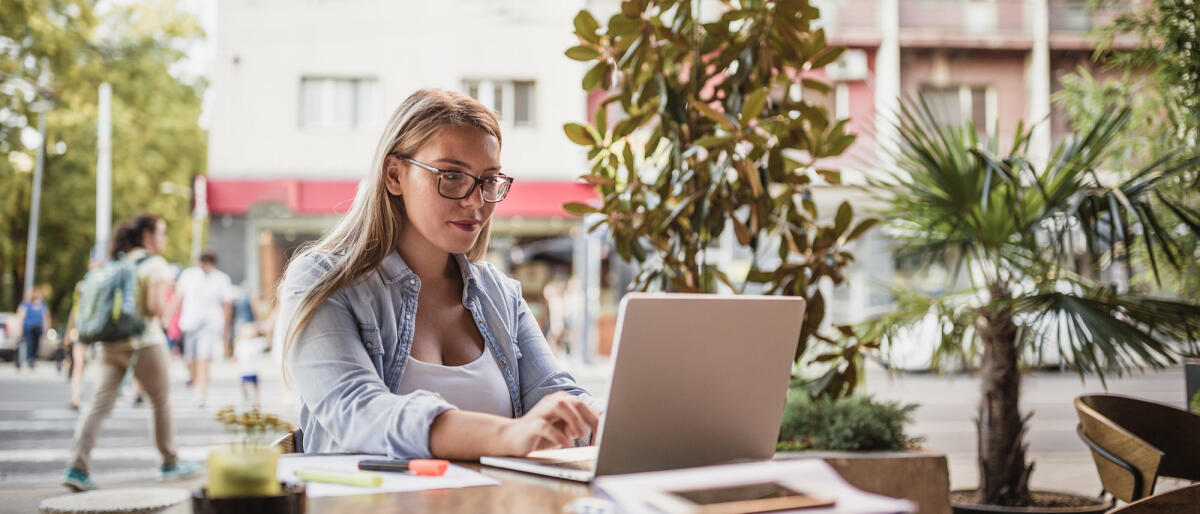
pixel 582 465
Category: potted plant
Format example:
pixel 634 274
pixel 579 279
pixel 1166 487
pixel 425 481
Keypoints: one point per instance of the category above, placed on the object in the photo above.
pixel 723 134
pixel 242 474
pixel 720 133
pixel 1033 243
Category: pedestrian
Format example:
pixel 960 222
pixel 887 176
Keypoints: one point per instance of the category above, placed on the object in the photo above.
pixel 401 340
pixel 207 296
pixel 138 242
pixel 248 348
pixel 35 319
pixel 174 334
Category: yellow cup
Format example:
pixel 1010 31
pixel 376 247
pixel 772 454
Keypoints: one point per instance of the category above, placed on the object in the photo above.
pixel 242 470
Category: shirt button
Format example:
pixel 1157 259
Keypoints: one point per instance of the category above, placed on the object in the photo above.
pixel 408 316
pixel 503 362
pixel 412 281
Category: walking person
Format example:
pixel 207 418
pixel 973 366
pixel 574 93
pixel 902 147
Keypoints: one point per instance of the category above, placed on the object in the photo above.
pixel 207 296
pixel 248 348
pixel 35 318
pixel 137 243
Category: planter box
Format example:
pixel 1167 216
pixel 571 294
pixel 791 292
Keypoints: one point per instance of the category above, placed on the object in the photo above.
pixel 920 476
pixel 1191 377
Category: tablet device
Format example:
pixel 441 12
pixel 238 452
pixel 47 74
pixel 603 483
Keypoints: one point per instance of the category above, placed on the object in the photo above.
pixel 755 497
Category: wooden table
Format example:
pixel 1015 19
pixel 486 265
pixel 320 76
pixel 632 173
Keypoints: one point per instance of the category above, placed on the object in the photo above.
pixel 517 492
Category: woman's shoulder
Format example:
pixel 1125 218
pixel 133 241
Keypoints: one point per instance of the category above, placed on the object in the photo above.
pixel 307 267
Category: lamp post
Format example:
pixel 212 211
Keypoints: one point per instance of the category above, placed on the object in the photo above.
pixel 35 202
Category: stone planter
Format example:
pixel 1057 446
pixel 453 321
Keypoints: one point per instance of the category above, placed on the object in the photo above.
pixel 1191 379
pixel 921 476
pixel 1082 504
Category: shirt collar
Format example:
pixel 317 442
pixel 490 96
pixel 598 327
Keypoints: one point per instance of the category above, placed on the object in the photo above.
pixel 394 269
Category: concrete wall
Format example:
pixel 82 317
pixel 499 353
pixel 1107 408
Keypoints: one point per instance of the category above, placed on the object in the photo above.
pixel 265 47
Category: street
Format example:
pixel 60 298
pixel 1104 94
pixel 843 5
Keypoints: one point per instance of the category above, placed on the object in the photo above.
pixel 36 425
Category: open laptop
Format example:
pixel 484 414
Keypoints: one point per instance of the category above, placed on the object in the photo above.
pixel 698 379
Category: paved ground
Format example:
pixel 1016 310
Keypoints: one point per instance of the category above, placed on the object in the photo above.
pixel 36 426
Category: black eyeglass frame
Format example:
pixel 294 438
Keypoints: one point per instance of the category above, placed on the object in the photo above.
pixel 508 186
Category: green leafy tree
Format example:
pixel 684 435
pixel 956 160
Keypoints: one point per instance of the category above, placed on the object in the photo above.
pixel 1033 245
pixel 62 51
pixel 719 130
pixel 1159 82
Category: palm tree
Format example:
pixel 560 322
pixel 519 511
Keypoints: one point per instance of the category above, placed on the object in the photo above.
pixel 1034 247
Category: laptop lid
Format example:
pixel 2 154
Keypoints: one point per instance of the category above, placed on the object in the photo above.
pixel 698 379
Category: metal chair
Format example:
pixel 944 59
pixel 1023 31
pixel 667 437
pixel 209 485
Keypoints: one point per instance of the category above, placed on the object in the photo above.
pixel 1134 442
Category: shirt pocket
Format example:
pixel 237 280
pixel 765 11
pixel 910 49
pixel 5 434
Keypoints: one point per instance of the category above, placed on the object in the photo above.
pixel 373 344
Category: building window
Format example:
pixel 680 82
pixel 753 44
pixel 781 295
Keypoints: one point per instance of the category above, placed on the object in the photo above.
pixel 511 100
pixel 337 103
pixel 956 105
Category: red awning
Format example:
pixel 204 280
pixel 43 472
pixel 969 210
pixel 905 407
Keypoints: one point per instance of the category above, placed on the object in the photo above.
pixel 527 199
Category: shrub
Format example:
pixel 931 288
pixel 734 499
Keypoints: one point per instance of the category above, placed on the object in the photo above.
pixel 857 423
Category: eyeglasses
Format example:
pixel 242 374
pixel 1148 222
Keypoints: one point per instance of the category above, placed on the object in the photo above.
pixel 457 185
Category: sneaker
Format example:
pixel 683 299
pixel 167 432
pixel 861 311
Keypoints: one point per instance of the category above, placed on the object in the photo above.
pixel 77 481
pixel 180 470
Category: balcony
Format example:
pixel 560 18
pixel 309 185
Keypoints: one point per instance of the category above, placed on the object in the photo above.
pixel 850 22
pixel 965 24
pixel 1071 23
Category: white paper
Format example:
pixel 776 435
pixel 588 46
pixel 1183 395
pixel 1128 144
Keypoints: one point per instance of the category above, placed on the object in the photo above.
pixel 815 476
pixel 455 477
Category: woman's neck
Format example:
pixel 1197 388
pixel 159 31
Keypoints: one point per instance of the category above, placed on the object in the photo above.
pixel 429 263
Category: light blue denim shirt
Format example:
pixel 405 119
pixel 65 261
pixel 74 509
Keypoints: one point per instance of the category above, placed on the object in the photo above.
pixel 348 360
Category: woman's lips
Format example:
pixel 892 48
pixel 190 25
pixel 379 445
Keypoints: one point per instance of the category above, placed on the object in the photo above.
pixel 466 225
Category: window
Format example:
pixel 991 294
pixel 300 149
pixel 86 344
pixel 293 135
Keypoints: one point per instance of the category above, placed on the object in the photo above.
pixel 956 105
pixel 337 103
pixel 511 100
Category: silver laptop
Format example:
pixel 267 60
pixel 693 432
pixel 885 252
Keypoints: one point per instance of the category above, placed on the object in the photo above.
pixel 697 380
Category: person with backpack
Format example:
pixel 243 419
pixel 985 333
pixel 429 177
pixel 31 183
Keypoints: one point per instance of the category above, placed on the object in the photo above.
pixel 35 319
pixel 120 304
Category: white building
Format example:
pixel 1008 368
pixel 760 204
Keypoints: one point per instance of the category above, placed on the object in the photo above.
pixel 302 89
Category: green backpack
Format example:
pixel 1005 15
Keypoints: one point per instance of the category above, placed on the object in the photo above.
pixel 108 303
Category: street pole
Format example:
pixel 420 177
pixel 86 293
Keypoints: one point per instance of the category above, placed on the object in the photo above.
pixel 199 213
pixel 104 174
pixel 35 203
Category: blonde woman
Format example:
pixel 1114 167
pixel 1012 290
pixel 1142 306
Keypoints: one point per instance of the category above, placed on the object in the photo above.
pixel 398 339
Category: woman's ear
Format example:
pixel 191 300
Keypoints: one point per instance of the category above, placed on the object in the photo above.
pixel 393 174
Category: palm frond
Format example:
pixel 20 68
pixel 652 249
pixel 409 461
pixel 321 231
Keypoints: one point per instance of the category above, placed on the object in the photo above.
pixel 1099 330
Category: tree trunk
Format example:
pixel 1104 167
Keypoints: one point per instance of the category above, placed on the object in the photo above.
pixel 1003 474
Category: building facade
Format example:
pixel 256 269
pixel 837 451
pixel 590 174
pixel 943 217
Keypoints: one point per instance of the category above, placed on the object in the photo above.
pixel 303 88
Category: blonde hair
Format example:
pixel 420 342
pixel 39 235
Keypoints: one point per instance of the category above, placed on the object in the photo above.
pixel 367 234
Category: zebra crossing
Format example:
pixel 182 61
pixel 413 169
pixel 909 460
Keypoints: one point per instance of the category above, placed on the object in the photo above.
pixel 37 425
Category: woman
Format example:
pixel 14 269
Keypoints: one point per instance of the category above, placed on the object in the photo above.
pixel 400 342
pixel 35 317
pixel 140 241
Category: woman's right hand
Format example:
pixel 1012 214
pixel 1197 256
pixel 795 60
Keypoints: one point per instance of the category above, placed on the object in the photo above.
pixel 554 422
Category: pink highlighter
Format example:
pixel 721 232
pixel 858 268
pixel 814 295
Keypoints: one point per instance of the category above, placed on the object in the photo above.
pixel 422 467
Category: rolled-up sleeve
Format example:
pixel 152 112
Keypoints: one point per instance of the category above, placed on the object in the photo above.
pixel 539 370
pixel 333 369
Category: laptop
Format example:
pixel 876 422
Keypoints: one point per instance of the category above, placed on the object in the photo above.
pixel 698 379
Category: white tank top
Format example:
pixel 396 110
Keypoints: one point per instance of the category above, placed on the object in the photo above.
pixel 475 386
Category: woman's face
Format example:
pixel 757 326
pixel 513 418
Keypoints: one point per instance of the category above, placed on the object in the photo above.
pixel 445 224
pixel 156 241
